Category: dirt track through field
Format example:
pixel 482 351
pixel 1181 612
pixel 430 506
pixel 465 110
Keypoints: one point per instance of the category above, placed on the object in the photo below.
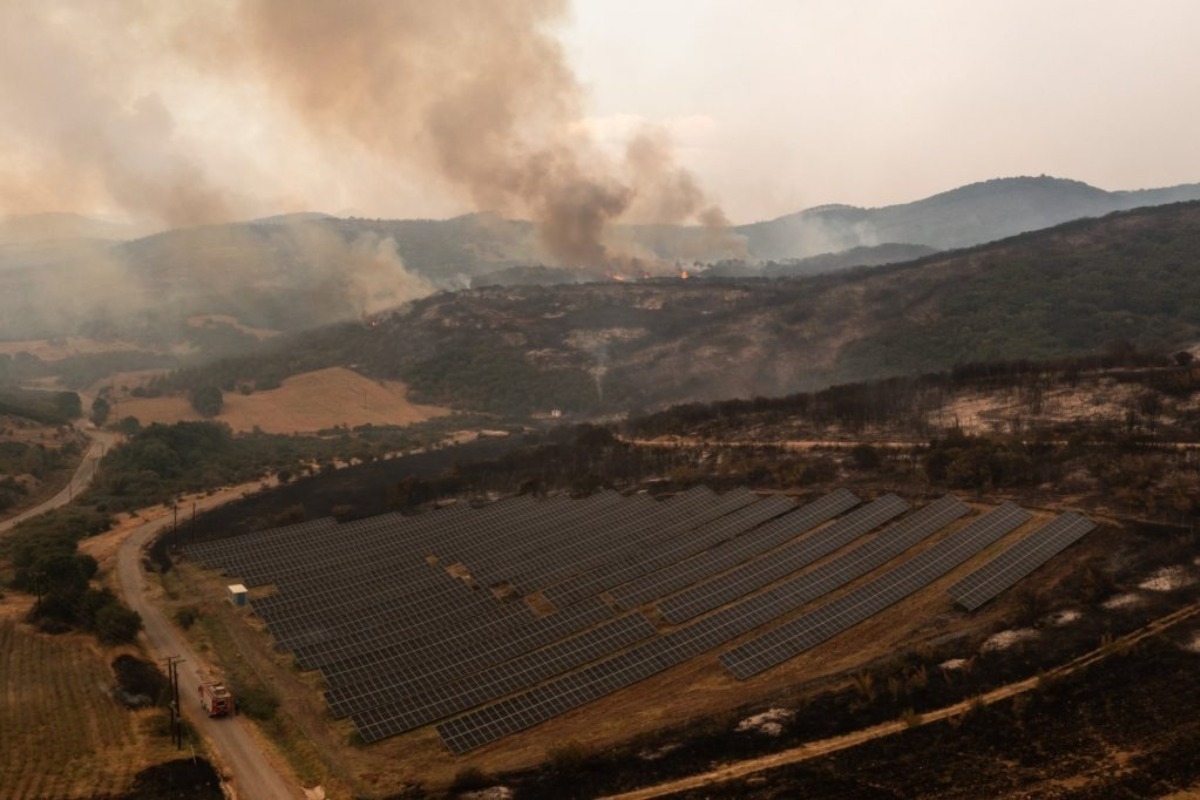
pixel 824 747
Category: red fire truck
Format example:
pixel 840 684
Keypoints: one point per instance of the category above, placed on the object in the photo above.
pixel 215 699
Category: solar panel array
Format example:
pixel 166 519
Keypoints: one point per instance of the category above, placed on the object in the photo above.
pixel 488 620
pixel 1019 560
pixel 638 663
pixel 679 574
pixel 793 556
pixel 827 621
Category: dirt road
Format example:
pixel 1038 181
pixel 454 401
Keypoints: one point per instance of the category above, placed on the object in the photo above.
pixel 101 441
pixel 824 747
pixel 238 753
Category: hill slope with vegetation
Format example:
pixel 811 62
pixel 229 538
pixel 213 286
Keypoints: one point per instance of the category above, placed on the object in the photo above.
pixel 1089 286
pixel 299 271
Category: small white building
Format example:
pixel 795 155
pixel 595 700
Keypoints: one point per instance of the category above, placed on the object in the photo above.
pixel 237 594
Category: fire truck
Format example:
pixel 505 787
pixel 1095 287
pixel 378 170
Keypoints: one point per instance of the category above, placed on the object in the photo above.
pixel 215 699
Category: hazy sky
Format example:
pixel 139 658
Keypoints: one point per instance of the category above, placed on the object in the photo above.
pixel 782 104
pixel 236 108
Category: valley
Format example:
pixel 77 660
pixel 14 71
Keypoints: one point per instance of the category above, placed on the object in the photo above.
pixel 952 374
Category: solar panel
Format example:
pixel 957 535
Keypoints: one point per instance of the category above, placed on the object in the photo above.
pixel 1019 560
pixel 808 630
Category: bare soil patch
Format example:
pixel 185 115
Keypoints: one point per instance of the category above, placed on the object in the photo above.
pixel 304 403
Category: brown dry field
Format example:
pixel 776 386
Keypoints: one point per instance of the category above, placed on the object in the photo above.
pixel 62 734
pixel 304 403
pixel 58 349
pixel 697 689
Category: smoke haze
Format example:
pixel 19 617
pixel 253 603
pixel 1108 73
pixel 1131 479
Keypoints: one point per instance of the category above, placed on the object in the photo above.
pixel 164 111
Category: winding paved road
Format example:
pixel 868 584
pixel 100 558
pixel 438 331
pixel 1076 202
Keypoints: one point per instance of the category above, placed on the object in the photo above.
pixel 101 441
pixel 240 755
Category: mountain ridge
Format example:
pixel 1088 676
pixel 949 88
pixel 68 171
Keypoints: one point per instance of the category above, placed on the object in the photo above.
pixel 612 347
pixel 303 270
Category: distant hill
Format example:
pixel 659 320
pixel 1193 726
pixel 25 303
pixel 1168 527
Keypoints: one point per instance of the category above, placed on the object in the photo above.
pixel 1122 281
pixel 970 215
pixel 61 274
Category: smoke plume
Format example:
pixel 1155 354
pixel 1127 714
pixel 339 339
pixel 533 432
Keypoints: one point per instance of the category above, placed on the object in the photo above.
pixel 192 113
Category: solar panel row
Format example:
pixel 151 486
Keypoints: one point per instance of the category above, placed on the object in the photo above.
pixel 807 631
pixel 1019 560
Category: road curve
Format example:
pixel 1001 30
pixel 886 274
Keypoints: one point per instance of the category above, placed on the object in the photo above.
pixel 101 440
pixel 240 755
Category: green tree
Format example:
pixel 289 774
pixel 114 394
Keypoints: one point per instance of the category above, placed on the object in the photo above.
pixel 116 624
pixel 68 405
pixel 100 411
pixel 207 400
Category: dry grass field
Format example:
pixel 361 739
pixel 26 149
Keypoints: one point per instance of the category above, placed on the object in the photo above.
pixel 62 735
pixel 58 349
pixel 304 403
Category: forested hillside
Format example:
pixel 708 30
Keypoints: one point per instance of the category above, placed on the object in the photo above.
pixel 1093 285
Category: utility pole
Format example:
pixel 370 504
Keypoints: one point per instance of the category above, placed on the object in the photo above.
pixel 173 663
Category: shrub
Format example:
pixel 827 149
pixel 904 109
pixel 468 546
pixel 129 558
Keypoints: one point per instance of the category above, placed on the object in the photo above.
pixel 116 624
pixel 139 682
pixel 187 616
pixel 257 702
